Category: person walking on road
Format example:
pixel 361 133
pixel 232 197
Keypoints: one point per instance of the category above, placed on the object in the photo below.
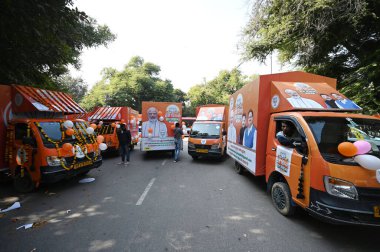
pixel 177 141
pixel 124 136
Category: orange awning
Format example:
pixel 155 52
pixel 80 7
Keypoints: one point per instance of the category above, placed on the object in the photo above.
pixel 29 99
pixel 107 113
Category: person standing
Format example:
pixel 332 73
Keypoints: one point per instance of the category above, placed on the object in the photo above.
pixel 177 141
pixel 124 136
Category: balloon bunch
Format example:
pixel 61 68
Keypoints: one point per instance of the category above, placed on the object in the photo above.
pixel 358 151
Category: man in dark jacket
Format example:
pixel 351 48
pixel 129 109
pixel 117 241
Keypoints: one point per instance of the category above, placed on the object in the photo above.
pixel 124 136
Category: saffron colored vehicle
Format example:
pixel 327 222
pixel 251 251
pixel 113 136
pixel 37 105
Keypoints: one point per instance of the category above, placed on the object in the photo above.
pixel 330 163
pixel 39 144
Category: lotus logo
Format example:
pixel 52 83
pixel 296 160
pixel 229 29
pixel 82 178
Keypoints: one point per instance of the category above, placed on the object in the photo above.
pixel 203 141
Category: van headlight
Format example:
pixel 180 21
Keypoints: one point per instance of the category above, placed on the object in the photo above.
pixel 55 161
pixel 214 146
pixel 191 145
pixel 340 188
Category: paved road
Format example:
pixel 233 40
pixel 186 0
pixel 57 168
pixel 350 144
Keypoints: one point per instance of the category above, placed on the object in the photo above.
pixel 157 205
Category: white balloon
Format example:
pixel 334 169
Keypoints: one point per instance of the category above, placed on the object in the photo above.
pixel 90 130
pixel 133 122
pixel 117 125
pixel 150 135
pixel 101 123
pixel 378 175
pixel 103 146
pixel 68 124
pixel 368 161
pixel 161 118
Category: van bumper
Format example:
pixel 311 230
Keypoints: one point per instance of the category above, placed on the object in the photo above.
pixel 52 174
pixel 216 153
pixel 337 210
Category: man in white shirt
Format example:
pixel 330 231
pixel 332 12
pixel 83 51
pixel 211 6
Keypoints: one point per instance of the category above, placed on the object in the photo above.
pixel 158 129
pixel 299 102
pixel 231 129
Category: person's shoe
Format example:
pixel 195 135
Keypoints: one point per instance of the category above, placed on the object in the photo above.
pixel 120 163
pixel 175 161
pixel 126 163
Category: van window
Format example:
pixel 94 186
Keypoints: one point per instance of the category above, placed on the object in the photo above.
pixel 201 130
pixel 329 132
pixel 52 130
pixel 21 130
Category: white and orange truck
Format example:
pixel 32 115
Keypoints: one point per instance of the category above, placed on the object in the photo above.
pixel 208 133
pixel 39 144
pixel 158 122
pixel 109 118
pixel 322 166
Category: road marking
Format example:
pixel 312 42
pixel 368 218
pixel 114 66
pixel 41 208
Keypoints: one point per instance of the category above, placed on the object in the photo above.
pixel 163 162
pixel 142 197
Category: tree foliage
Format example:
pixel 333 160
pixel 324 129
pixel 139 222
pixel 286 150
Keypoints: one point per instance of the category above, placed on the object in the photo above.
pixel 40 38
pixel 336 38
pixel 217 90
pixel 76 87
pixel 139 81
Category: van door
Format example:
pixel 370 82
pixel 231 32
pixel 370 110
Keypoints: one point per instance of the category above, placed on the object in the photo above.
pixel 289 157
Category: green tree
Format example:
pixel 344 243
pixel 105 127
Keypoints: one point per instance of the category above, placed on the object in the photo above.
pixel 76 87
pixel 335 38
pixel 40 38
pixel 217 90
pixel 139 81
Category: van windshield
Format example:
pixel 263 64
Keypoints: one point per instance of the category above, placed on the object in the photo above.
pixel 329 132
pixel 53 131
pixel 205 130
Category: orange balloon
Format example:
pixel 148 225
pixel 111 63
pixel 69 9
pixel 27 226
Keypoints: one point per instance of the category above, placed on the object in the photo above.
pixel 140 116
pixel 150 130
pixel 113 125
pixel 67 146
pixel 69 132
pixel 100 139
pixel 93 125
pixel 347 149
pixel 173 126
pixel 122 121
pixel 159 113
pixel 99 126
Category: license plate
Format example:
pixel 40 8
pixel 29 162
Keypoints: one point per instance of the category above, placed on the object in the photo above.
pixel 82 164
pixel 202 150
pixel 376 211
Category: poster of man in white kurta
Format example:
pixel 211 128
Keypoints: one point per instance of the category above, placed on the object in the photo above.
pixel 158 129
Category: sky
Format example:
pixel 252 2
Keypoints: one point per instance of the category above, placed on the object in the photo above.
pixel 191 40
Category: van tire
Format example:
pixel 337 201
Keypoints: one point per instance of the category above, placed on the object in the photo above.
pixel 282 198
pixel 239 168
pixel 23 184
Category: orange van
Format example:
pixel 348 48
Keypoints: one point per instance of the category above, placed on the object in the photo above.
pixel 328 163
pixel 109 118
pixel 157 127
pixel 39 144
pixel 208 133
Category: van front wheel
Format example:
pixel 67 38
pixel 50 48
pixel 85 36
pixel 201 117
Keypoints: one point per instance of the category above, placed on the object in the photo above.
pixel 281 199
pixel 239 168
pixel 23 184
